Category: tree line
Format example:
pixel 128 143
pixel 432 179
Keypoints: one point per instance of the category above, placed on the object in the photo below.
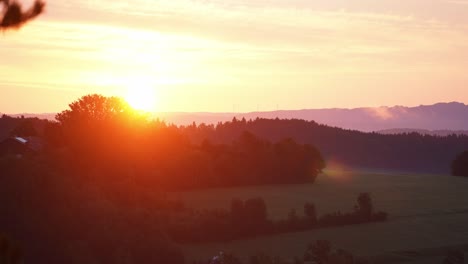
pixel 249 218
pixel 104 133
pixel 411 152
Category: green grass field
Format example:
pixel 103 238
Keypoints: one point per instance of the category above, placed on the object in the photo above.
pixel 426 212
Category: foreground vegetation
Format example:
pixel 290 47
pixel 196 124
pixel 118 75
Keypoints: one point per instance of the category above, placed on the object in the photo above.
pixel 428 217
pixel 250 219
pixel 96 192
pixel 103 190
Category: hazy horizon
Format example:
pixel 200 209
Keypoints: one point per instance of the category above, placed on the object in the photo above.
pixel 438 118
pixel 258 110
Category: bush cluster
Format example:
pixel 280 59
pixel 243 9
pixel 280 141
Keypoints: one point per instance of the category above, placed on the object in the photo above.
pixel 250 218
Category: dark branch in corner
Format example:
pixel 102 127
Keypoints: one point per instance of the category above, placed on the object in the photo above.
pixel 12 15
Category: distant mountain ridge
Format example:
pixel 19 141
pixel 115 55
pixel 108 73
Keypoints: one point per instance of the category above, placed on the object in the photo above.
pixel 440 116
pixel 423 119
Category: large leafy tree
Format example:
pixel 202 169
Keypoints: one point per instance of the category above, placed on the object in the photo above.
pixel 94 108
pixel 97 126
pixel 364 206
pixel 13 15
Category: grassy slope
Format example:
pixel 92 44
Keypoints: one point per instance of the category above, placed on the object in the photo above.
pixel 426 211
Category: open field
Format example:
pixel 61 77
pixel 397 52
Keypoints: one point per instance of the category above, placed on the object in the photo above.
pixel 427 212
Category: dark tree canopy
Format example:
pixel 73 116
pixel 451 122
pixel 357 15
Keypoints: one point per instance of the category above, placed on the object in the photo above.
pixel 105 132
pixel 354 149
pixel 365 207
pixel 25 129
pixel 460 165
pixel 13 16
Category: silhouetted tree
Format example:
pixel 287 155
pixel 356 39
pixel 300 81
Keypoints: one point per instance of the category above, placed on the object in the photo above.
pixel 293 219
pixel 13 16
pixel 364 206
pixel 310 212
pixel 256 210
pixel 98 127
pixel 24 129
pixel 237 210
pixel 460 165
pixel 93 108
pixel 53 134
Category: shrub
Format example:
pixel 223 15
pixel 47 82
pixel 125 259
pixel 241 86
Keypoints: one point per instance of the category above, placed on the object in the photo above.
pixel 460 165
pixel 310 212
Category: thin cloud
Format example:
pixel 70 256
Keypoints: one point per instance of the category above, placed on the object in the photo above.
pixel 203 45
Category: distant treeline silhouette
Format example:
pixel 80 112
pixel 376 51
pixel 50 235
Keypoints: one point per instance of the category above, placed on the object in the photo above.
pixel 403 152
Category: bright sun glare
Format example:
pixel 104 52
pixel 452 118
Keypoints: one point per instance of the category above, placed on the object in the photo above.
pixel 141 98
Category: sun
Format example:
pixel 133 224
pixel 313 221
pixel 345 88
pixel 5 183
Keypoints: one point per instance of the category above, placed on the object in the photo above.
pixel 141 98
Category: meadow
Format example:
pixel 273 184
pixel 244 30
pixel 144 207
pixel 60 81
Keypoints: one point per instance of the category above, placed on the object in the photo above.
pixel 427 215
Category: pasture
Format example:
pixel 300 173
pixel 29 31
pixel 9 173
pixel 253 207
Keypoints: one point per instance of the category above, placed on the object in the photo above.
pixel 427 213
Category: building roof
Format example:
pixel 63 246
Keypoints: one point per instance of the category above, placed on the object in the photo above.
pixel 35 144
pixel 21 140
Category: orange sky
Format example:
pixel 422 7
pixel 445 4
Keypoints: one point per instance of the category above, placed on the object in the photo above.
pixel 240 55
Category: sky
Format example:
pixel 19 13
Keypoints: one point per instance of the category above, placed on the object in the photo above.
pixel 238 55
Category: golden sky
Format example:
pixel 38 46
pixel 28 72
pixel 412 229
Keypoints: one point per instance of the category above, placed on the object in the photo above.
pixel 242 55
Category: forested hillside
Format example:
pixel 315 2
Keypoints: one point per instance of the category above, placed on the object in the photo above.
pixel 404 152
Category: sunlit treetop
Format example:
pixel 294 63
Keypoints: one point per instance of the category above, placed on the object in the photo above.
pixel 12 15
pixel 98 108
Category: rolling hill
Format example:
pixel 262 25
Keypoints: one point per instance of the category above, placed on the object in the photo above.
pixel 441 116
